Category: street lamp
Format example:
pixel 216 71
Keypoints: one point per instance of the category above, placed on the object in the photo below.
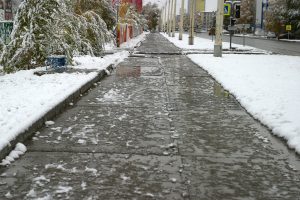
pixel 169 18
pixel 174 18
pixel 181 20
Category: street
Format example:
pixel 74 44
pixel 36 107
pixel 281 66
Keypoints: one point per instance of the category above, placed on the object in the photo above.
pixel 160 127
pixel 273 45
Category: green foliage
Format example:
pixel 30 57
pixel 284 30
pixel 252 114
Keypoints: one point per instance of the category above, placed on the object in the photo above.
pixel 281 13
pixel 102 8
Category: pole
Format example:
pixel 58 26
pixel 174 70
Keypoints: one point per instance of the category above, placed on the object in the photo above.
pixel 169 19
pixel 219 27
pixel 118 26
pixel 230 31
pixel 166 21
pixel 174 18
pixel 244 35
pixel 191 31
pixel 181 20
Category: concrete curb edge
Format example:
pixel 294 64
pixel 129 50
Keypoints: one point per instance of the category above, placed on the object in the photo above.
pixel 55 111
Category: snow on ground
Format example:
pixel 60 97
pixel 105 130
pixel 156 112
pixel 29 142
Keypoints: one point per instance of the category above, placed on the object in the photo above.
pixel 25 97
pixel 266 85
pixel 19 150
pixel 200 43
pixel 286 40
pixel 134 41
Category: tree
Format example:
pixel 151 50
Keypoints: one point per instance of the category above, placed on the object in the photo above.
pixel 247 12
pixel 281 13
pixel 31 34
pixel 45 27
pixel 151 13
pixel 101 7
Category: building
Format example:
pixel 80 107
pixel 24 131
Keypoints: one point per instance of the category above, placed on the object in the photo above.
pixel 8 9
pixel 138 4
pixel 199 6
pixel 261 7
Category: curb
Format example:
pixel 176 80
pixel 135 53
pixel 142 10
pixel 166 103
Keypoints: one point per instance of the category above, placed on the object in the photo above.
pixel 55 111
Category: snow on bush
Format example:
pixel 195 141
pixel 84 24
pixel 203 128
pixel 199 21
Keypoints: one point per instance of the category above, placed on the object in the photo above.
pixel 46 27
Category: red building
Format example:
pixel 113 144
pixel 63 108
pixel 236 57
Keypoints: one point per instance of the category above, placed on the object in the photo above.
pixel 137 3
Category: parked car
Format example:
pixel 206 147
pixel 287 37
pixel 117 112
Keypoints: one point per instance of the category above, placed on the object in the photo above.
pixel 271 35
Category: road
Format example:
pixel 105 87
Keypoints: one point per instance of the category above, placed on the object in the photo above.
pixel 273 45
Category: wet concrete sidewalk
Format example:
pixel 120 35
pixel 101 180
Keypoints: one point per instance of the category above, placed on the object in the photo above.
pixel 159 128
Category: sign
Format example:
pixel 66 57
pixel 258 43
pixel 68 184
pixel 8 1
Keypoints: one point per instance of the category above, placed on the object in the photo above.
pixel 8 15
pixel 232 28
pixel 1 5
pixel 243 26
pixel 288 27
pixel 5 31
pixel 227 9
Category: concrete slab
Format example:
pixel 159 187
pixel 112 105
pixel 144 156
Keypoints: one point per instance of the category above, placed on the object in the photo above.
pixel 93 176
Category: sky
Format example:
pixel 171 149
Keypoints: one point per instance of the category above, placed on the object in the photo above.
pixel 211 5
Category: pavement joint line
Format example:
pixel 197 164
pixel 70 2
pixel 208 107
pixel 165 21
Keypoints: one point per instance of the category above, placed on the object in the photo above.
pixel 110 106
pixel 105 152
pixel 54 112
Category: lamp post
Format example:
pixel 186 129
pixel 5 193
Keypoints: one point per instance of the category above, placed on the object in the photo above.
pixel 166 20
pixel 169 19
pixel 192 20
pixel 174 18
pixel 181 20
pixel 219 28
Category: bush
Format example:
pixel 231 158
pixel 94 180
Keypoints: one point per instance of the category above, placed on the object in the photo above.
pixel 46 27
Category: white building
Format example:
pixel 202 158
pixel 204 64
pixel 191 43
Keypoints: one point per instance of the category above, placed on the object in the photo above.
pixel 261 7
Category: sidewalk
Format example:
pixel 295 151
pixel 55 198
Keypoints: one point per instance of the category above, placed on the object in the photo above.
pixel 159 127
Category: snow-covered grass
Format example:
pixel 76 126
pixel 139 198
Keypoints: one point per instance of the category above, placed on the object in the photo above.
pixel 266 85
pixel 134 41
pixel 200 43
pixel 286 40
pixel 25 97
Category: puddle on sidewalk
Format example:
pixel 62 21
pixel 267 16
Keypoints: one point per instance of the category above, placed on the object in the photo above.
pixel 126 71
pixel 220 91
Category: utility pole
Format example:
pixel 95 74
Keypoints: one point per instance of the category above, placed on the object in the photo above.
pixel 219 28
pixel 181 20
pixel 192 20
pixel 174 18
pixel 169 19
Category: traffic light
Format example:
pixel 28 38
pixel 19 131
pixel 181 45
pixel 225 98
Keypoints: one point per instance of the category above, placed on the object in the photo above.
pixel 237 11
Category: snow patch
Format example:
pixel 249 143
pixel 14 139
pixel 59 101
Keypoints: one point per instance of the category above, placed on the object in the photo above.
pixel 19 150
pixel 49 123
